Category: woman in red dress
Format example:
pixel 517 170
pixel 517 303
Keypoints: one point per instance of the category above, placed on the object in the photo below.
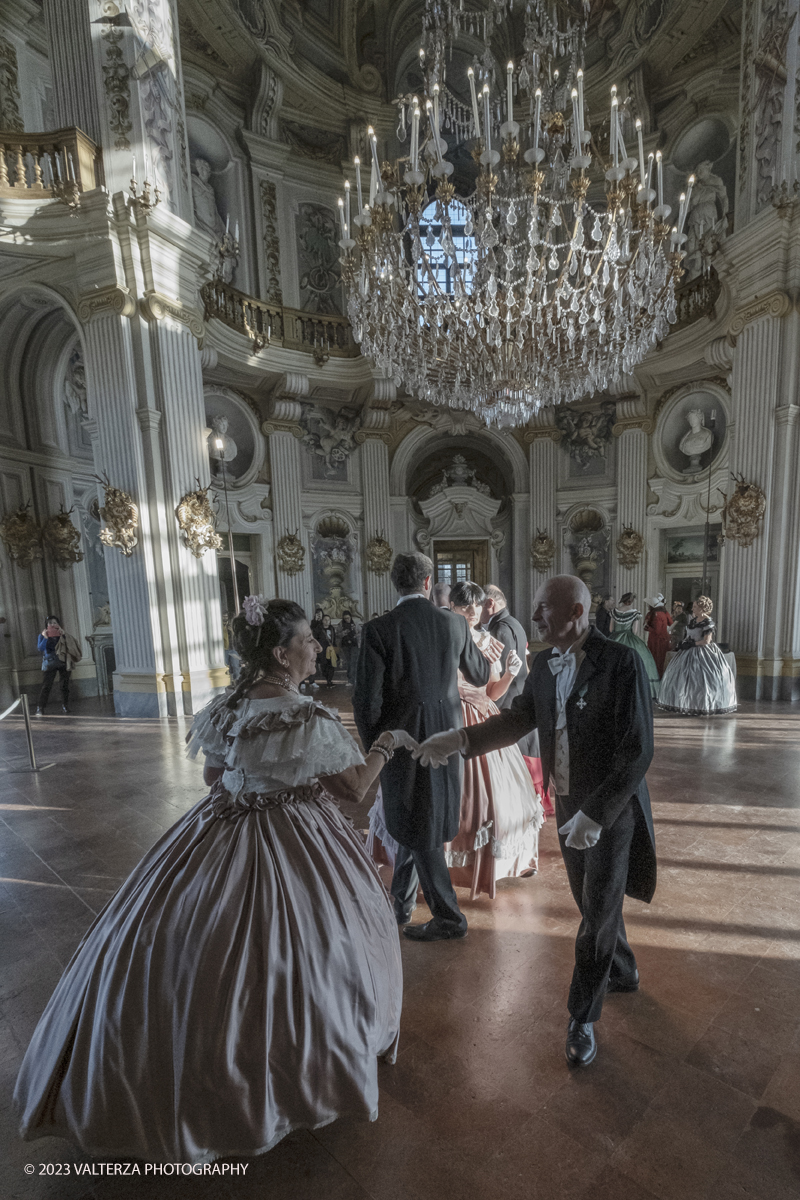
pixel 657 625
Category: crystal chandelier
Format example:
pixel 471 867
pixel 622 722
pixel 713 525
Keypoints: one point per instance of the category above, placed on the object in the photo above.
pixel 520 294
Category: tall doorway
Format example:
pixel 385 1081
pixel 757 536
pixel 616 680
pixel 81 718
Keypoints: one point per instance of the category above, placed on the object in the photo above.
pixel 456 561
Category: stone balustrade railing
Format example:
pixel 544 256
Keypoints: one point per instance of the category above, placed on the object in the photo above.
pixel 325 335
pixel 45 165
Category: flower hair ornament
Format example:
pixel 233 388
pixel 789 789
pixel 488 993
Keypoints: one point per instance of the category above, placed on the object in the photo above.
pixel 255 610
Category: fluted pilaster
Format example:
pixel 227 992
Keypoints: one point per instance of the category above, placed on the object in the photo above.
pixel 632 506
pixel 284 452
pixel 72 63
pixel 375 485
pixel 544 482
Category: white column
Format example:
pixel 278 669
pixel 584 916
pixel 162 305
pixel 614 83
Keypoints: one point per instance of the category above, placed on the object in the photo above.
pixel 287 509
pixel 377 520
pixel 543 486
pixel 196 613
pixel 632 507
pixel 111 388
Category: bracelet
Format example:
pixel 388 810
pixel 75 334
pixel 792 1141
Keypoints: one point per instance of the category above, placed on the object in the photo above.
pixel 384 750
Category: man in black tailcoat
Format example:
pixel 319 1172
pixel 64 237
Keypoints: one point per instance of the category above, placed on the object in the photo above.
pixel 589 698
pixel 407 679
pixel 507 629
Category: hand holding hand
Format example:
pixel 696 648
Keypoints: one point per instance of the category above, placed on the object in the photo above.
pixel 437 749
pixel 398 739
pixel 493 650
pixel 581 831
pixel 513 664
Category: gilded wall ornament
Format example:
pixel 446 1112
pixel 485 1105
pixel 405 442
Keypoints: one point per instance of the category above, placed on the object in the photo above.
pixel 22 536
pixel 379 555
pixel 543 551
pixel 121 517
pixel 291 554
pixel 742 511
pixel 586 435
pixel 62 540
pixel 197 522
pixel 630 547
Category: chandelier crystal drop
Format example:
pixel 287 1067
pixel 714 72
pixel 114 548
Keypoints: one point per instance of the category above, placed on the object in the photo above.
pixel 520 294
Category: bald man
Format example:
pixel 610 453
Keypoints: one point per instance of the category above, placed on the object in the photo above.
pixel 589 698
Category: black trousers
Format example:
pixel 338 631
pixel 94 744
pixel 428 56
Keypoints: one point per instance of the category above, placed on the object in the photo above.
pixel 427 868
pixel 597 878
pixel 49 680
pixel 325 667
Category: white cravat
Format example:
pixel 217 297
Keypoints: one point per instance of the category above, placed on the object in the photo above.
pixel 565 667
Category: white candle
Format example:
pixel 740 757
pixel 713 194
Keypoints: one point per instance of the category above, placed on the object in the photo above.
pixel 415 119
pixel 650 159
pixel 227 224
pixel 537 118
pixel 576 129
pixel 357 162
pixel 510 92
pixel 133 170
pixel 373 141
pixel 580 101
pixel 341 218
pixel 660 175
pixel 487 119
pixel 476 116
pixel 347 208
pixel 614 115
pixel 236 234
pixel 436 125
pixel 680 212
pixel 641 153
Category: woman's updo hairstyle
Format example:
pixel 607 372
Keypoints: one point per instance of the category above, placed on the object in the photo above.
pixel 466 592
pixel 255 643
pixel 705 604
pixel 628 598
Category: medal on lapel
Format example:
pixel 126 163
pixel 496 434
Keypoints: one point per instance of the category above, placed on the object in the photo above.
pixel 581 704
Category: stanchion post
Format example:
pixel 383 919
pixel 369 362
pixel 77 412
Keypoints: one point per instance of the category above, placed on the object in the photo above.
pixel 26 712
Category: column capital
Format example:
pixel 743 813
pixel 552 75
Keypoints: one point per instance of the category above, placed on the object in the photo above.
pixel 113 299
pixel 155 307
pixel 774 304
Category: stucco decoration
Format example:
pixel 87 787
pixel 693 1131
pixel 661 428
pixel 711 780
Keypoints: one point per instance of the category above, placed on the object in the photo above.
pixel 743 511
pixel 333 550
pixel 586 435
pixel 329 437
pixel 231 419
pixel 707 220
pixel 318 267
pixel 208 218
pixel 121 517
pixel 10 115
pixel 709 400
pixel 460 474
pixel 379 555
pixel 75 384
pixel 116 82
pixel 22 536
pixel 291 553
pixel 586 541
pixel 269 210
pixel 197 523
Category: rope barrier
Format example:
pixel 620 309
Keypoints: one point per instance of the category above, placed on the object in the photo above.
pixel 10 708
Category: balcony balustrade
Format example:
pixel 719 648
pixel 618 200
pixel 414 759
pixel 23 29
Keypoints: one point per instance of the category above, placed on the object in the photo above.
pixel 58 165
pixel 325 335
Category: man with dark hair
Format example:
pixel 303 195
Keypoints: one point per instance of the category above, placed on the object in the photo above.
pixel 507 629
pixel 441 594
pixel 590 700
pixel 407 678
pixel 602 618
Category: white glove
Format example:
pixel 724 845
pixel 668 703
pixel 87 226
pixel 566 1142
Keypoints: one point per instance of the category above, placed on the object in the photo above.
pixel 402 740
pixel 493 650
pixel 438 748
pixel 513 663
pixel 582 832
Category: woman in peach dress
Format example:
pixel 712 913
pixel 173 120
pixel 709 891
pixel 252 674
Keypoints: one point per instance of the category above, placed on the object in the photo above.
pixel 501 813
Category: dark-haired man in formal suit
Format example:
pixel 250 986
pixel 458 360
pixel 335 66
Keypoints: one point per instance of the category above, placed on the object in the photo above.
pixel 407 678
pixel 507 629
pixel 590 701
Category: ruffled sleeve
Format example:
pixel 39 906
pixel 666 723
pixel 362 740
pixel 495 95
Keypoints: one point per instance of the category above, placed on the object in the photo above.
pixel 209 731
pixel 292 745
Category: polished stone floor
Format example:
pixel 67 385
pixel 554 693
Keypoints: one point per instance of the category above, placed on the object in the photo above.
pixel 695 1094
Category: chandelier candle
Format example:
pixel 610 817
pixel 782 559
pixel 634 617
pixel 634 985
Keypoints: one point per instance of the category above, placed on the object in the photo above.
pixel 357 162
pixel 510 92
pixel 476 116
pixel 580 103
pixel 487 123
pixel 660 174
pixel 537 119
pixel 614 119
pixel 346 208
pixel 642 176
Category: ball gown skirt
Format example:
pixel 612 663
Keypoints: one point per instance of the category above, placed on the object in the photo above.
pixel 698 682
pixel 241 984
pixel 627 637
pixel 501 814
pixel 658 639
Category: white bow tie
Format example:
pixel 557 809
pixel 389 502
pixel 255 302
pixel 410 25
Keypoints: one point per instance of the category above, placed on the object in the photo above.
pixel 559 661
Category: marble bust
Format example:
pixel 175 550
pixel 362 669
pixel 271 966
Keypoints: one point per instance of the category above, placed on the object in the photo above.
pixel 219 430
pixel 204 200
pixel 695 443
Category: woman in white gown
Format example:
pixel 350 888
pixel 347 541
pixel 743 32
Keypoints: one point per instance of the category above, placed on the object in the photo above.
pixel 245 978
pixel 698 681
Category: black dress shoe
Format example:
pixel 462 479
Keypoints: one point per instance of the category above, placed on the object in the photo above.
pixel 581 1044
pixel 434 931
pixel 403 915
pixel 623 983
